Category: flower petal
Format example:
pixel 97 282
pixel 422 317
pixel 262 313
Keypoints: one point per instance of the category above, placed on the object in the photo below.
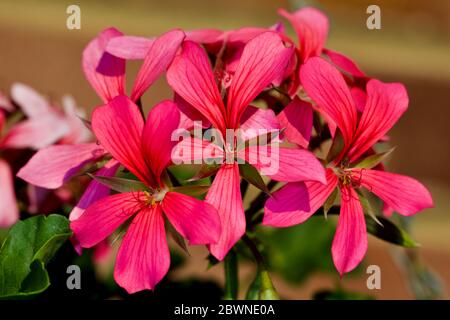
pixel 157 143
pixel 95 191
pixel 191 76
pixel 30 102
pixel 104 216
pixel 129 47
pixel 404 194
pixel 119 126
pixel 159 56
pixel 350 240
pixel 284 164
pixel 311 26
pixel 297 201
pixel 143 258
pixel 37 132
pixel 345 63
pixel 225 196
pixel 105 72
pixel 51 167
pixel 196 220
pixel 297 120
pixel 263 60
pixel 9 213
pixel 191 150
pixel 386 102
pixel 326 87
pixel 257 121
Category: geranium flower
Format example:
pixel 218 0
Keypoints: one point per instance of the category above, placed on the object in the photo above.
pixel 263 59
pixel 296 202
pixel 145 150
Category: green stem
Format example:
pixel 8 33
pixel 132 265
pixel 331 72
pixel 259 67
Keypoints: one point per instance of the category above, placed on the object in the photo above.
pixel 231 276
pixel 262 287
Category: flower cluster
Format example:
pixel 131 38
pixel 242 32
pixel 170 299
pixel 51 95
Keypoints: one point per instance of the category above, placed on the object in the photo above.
pixel 249 79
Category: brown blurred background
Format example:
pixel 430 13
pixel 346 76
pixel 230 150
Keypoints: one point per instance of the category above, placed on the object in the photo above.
pixel 412 47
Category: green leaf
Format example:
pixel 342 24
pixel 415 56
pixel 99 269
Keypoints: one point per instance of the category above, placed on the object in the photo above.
pixel 176 236
pixel 367 208
pixel 337 146
pixel 373 160
pixel 120 184
pixel 193 190
pixel 205 171
pixel 289 255
pixel 29 246
pixel 330 202
pixel 252 176
pixel 389 232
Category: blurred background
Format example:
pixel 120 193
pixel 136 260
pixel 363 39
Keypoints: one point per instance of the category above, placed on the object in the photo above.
pixel 412 47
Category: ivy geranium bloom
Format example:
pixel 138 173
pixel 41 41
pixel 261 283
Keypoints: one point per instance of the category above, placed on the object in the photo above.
pixel 263 59
pixel 53 166
pixel 145 150
pixel 296 202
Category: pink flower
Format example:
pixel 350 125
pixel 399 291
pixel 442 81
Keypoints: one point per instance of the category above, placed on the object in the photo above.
pixel 145 150
pixel 311 27
pixel 44 125
pixel 106 74
pixel 263 59
pixel 296 202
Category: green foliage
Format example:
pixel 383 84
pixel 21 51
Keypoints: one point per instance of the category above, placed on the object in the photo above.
pixel 29 246
pixel 296 252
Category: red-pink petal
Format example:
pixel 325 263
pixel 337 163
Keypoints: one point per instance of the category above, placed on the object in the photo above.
pixel 51 167
pixel 360 98
pixel 311 26
pixel 9 213
pixel 37 132
pixel 345 63
pixel 129 47
pixel 104 216
pixel 204 35
pixel 119 126
pixel 196 220
pixel 225 196
pixel 143 258
pixel 193 150
pixel 404 194
pixel 105 72
pixel 264 59
pixel 386 102
pixel 157 144
pixel 30 102
pixel 256 121
pixel 350 240
pixel 191 76
pixel 95 191
pixel 327 88
pixel 159 56
pixel 297 201
pixel 284 164
pixel 297 119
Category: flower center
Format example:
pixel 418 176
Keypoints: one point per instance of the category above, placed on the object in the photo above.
pixel 154 197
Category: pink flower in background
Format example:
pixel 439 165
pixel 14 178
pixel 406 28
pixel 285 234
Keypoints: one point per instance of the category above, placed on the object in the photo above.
pixel 263 59
pixel 296 202
pixel 144 149
pixel 44 125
